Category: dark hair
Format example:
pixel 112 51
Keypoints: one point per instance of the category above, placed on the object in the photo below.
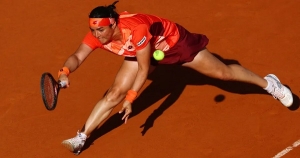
pixel 105 12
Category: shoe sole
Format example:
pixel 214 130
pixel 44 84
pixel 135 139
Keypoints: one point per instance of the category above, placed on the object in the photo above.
pixel 290 103
pixel 68 145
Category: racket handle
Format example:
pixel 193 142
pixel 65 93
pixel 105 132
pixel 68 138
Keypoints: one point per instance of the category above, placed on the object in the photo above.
pixel 62 84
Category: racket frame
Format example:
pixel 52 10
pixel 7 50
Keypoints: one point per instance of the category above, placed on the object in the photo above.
pixel 56 90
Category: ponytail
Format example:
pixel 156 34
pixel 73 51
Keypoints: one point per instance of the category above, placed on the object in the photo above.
pixel 112 6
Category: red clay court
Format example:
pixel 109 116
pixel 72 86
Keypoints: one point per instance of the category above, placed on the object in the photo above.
pixel 180 113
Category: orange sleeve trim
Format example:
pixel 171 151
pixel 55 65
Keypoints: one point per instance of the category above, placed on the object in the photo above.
pixel 91 41
pixel 141 36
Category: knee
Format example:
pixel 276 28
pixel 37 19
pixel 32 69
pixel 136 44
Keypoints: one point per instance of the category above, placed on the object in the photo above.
pixel 226 74
pixel 115 95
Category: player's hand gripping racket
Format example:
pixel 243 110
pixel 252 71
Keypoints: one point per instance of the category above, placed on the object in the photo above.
pixel 50 89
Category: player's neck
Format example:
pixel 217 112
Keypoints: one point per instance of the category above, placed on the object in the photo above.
pixel 117 36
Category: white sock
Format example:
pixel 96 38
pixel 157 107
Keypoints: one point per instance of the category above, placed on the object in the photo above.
pixel 269 86
pixel 82 135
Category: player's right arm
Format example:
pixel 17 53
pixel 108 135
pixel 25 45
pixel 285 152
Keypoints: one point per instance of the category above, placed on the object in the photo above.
pixel 75 60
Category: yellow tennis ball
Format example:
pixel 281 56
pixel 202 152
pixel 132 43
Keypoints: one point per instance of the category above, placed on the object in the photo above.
pixel 158 55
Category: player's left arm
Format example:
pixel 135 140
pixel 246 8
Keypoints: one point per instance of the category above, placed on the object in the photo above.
pixel 141 39
pixel 143 59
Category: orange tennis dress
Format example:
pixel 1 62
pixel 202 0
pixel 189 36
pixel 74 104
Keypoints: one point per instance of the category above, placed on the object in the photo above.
pixel 138 30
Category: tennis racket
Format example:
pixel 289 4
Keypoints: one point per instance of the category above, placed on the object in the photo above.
pixel 50 89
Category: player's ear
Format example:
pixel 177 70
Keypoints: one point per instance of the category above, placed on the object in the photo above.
pixel 112 22
pixel 111 25
pixel 114 25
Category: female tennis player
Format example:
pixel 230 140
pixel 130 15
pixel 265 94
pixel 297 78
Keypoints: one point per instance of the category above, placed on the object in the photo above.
pixel 136 36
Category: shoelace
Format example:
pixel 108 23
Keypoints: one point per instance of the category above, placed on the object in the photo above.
pixel 277 93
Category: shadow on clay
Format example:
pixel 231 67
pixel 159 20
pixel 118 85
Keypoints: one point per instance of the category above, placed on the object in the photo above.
pixel 170 81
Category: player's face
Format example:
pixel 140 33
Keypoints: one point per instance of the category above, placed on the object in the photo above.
pixel 103 33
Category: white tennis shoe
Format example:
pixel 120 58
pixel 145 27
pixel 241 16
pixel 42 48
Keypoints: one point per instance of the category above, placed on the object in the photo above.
pixel 75 144
pixel 279 91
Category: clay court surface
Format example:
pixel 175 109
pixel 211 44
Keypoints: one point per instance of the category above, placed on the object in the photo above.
pixel 180 113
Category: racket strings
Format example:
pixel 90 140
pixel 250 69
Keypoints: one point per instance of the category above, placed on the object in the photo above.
pixel 50 91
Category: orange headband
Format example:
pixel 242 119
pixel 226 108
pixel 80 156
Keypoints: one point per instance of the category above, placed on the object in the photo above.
pixel 96 22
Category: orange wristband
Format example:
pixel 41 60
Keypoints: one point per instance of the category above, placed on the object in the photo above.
pixel 64 70
pixel 131 95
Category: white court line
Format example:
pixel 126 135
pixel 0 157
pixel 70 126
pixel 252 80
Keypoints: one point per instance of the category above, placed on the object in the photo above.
pixel 288 149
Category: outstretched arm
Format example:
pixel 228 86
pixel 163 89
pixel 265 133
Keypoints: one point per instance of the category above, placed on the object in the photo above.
pixel 143 59
pixel 74 61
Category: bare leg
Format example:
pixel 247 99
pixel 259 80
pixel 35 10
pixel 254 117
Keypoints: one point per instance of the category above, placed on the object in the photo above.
pixel 123 82
pixel 113 97
pixel 209 65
